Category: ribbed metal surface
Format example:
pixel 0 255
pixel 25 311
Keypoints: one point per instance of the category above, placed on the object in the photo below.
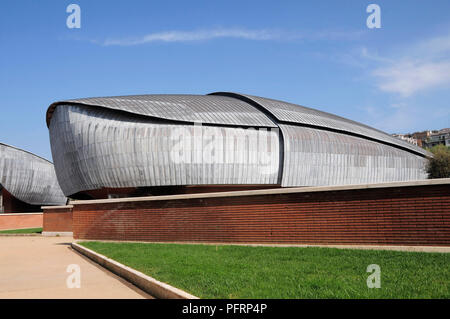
pixel 314 157
pixel 292 113
pixel 29 177
pixel 130 142
pixel 96 147
pixel 186 108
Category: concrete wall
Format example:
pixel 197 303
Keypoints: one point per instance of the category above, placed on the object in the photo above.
pixel 408 213
pixel 20 221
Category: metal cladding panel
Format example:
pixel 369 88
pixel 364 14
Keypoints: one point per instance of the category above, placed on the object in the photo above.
pixel 96 147
pixel 314 157
pixel 29 178
pixel 296 114
pixel 186 108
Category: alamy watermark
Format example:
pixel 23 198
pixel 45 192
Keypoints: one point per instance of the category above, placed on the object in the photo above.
pixel 217 145
pixel 374 19
pixel 374 279
pixel 74 279
pixel 74 19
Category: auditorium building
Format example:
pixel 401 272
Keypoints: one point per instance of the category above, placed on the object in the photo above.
pixel 130 146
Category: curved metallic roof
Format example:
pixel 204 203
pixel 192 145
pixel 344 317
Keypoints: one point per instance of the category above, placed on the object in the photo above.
pixel 207 109
pixel 28 177
pixel 297 114
pixel 235 109
pixel 119 142
pixel 100 142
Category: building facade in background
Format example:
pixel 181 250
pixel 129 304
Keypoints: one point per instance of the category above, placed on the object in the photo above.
pixel 427 139
pixel 408 138
pixel 169 144
pixel 26 182
pixel 441 137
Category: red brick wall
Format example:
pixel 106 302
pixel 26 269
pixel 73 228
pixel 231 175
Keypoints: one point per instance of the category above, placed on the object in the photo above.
pixel 20 221
pixel 413 215
pixel 58 219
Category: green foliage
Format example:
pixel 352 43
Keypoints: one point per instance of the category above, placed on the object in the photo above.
pixel 210 271
pixel 439 165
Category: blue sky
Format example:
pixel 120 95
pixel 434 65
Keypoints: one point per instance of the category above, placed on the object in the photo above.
pixel 314 53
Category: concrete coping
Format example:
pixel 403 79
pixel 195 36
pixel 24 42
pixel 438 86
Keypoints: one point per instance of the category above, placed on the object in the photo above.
pixel 57 234
pixel 19 214
pixel 57 207
pixel 275 191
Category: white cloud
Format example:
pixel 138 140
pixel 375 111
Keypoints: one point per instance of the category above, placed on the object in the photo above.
pixel 436 46
pixel 407 78
pixel 423 66
pixel 405 72
pixel 237 33
pixel 199 35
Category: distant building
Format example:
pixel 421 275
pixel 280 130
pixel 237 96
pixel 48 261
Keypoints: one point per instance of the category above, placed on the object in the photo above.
pixel 421 137
pixel 427 139
pixel 439 137
pixel 407 138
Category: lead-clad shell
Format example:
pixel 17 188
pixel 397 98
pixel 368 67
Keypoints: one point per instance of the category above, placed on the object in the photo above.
pixel 218 139
pixel 29 178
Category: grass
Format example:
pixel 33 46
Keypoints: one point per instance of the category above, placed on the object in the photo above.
pixel 284 272
pixel 22 231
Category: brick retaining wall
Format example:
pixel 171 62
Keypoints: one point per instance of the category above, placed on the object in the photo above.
pixel 20 221
pixel 407 214
pixel 57 219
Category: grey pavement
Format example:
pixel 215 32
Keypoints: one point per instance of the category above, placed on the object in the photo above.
pixel 36 268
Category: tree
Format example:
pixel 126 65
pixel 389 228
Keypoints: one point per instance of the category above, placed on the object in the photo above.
pixel 438 166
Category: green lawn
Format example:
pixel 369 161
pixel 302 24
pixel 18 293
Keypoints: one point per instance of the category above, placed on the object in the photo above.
pixel 22 231
pixel 284 272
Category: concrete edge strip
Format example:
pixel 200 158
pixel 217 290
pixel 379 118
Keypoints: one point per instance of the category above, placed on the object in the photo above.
pixel 19 214
pixel 150 285
pixel 57 207
pixel 57 234
pixel 276 191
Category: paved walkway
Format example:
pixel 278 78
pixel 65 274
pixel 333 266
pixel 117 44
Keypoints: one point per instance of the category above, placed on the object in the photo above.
pixel 35 267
